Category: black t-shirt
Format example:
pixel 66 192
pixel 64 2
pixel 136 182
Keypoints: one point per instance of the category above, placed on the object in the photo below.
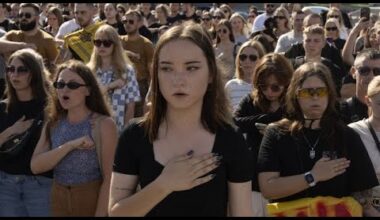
pixel 20 164
pixel 134 156
pixel 119 26
pixel 144 31
pixel 246 115
pixel 353 110
pixel 339 43
pixel 177 17
pixel 8 25
pixel 289 155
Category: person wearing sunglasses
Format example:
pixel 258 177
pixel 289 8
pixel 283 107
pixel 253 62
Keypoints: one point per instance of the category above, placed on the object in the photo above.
pixel 282 24
pixel 291 162
pixel 207 23
pixel 31 33
pixel 225 48
pixel 337 14
pixel 239 28
pixel 368 129
pixel 140 51
pixel 77 143
pixel 258 25
pixel 185 166
pixel 262 106
pixel 23 193
pixel 313 41
pixel 116 74
pixel 332 34
pixel 247 57
pixel 366 66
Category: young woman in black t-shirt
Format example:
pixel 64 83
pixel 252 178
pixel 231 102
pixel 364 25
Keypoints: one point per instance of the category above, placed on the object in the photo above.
pixel 185 153
pixel 291 162
pixel 21 192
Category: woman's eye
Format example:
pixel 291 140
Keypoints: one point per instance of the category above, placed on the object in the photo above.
pixel 165 69
pixel 192 68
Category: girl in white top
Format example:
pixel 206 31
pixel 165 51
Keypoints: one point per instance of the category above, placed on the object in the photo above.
pixel 368 198
pixel 248 55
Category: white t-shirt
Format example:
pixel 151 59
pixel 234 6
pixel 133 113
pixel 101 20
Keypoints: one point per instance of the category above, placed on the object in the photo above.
pixel 285 42
pixel 362 129
pixel 67 27
pixel 236 90
pixel 258 24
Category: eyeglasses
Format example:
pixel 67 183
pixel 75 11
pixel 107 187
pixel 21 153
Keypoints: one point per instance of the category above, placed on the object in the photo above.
pixel 222 30
pixel 311 92
pixel 217 17
pixel 251 57
pixel 331 28
pixel 206 19
pixel 365 70
pixel 106 43
pixel 279 17
pixel 273 87
pixel 131 22
pixel 19 70
pixel 70 85
pixel 334 16
pixel 26 15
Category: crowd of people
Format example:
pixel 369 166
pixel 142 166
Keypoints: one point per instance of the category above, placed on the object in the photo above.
pixel 169 110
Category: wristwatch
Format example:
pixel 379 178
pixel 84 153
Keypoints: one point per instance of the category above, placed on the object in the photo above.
pixel 310 179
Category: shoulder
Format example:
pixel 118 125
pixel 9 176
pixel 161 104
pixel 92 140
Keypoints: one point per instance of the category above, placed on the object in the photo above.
pixel 134 129
pixel 232 82
pixel 46 36
pixel 13 33
pixel 359 126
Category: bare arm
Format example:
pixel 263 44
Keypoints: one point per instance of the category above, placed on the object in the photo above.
pixel 348 49
pixel 45 159
pixel 109 140
pixel 7 46
pixel 240 199
pixel 274 187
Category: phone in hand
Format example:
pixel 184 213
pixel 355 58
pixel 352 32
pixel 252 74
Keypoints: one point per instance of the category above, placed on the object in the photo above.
pixel 365 13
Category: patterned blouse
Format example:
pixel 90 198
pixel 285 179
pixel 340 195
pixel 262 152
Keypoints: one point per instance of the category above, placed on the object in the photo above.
pixel 119 98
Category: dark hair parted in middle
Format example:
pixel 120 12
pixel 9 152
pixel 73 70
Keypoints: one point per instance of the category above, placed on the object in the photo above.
pixel 215 109
pixel 271 64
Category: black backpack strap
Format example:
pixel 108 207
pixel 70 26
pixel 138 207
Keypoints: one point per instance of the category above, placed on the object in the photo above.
pixel 352 109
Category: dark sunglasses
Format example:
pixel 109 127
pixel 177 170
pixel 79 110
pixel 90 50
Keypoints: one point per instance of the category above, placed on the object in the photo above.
pixel 273 87
pixel 311 92
pixel 19 70
pixel 26 15
pixel 106 43
pixel 131 22
pixel 251 57
pixel 222 30
pixel 70 85
pixel 331 28
pixel 217 17
pixel 279 17
pixel 206 19
pixel 334 16
pixel 365 70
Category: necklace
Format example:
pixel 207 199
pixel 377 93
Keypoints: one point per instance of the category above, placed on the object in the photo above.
pixel 312 147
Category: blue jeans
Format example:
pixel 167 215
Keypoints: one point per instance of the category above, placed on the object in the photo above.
pixel 24 195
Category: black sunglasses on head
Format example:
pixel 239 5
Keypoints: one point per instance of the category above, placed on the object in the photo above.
pixel 106 43
pixel 251 57
pixel 26 15
pixel 70 85
pixel 19 70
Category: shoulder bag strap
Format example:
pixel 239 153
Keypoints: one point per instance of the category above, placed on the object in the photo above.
pixel 373 134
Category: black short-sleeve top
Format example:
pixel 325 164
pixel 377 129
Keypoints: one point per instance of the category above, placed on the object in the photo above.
pixel 134 156
pixel 283 153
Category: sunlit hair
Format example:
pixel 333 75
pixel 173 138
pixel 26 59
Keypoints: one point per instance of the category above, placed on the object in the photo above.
pixel 307 19
pixel 215 109
pixel 367 53
pixel 244 30
pixel 95 101
pixel 228 8
pixel 119 59
pixel 374 87
pixel 226 23
pixel 272 64
pixel 336 24
pixel 285 13
pixel 250 43
pixel 164 8
pixel 335 10
pixel 33 61
pixel 315 29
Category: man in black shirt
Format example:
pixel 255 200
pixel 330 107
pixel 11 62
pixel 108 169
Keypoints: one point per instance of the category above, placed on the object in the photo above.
pixel 366 66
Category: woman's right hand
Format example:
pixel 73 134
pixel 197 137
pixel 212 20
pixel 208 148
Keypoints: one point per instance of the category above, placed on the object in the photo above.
pixel 21 126
pixel 84 142
pixel 325 169
pixel 360 25
pixel 185 172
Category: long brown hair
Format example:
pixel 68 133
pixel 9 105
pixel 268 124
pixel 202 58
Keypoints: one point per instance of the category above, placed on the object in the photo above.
pixel 38 72
pixel 329 122
pixel 215 108
pixel 95 101
pixel 271 64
